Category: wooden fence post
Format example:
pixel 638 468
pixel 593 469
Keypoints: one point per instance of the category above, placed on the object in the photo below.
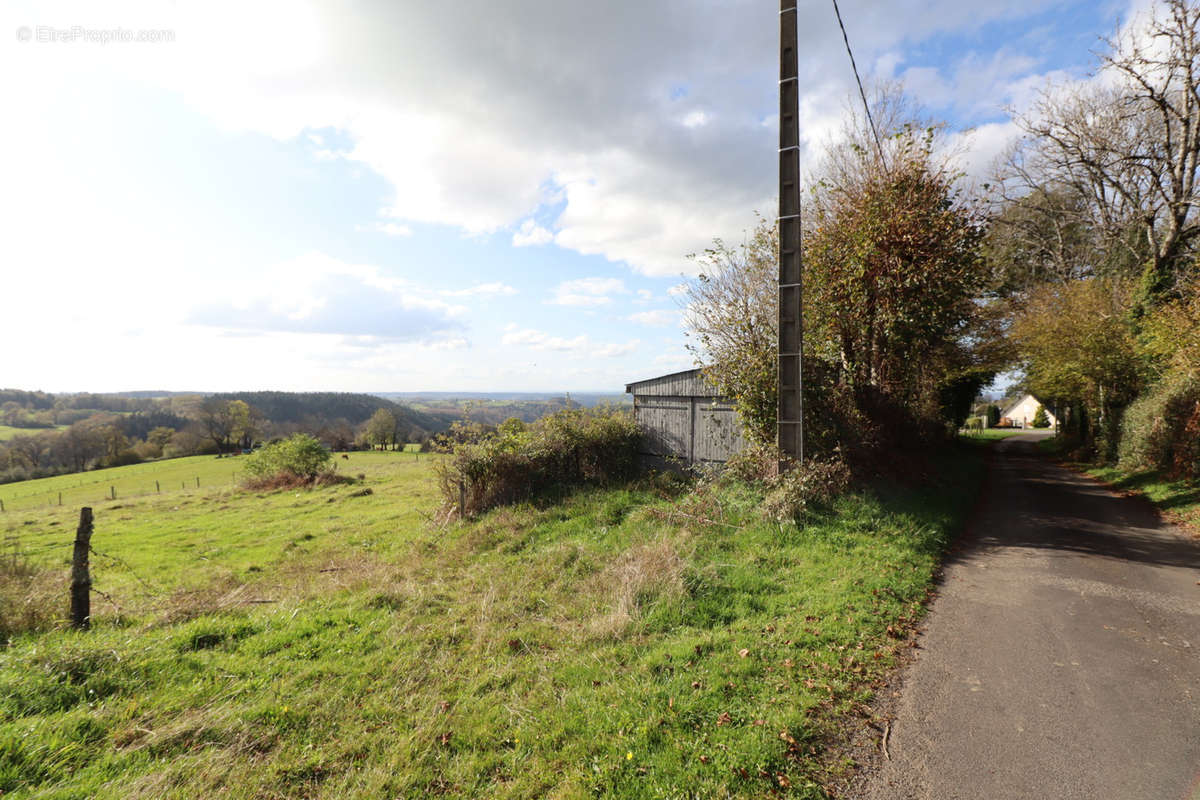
pixel 112 491
pixel 157 488
pixel 197 481
pixel 1 505
pixel 60 498
pixel 81 580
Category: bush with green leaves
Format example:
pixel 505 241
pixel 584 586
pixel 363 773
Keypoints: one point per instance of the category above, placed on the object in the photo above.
pixel 1161 429
pixel 575 447
pixel 1040 420
pixel 299 456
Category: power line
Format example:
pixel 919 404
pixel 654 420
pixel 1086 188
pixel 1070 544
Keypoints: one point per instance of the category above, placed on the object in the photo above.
pixel 861 93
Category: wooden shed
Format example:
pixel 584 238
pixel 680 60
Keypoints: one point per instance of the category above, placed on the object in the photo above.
pixel 684 418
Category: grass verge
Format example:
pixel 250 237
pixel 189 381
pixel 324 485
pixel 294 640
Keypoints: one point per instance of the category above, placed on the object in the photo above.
pixel 1178 500
pixel 630 642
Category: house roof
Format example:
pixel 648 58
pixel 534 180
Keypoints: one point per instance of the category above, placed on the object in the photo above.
pixel 1021 399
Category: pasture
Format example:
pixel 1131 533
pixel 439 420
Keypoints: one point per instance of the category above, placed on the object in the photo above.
pixel 7 431
pixel 624 642
pixel 154 477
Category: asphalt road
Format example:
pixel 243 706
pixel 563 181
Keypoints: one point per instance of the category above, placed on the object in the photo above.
pixel 1061 658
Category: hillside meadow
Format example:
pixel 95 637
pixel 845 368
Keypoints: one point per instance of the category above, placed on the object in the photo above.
pixel 637 641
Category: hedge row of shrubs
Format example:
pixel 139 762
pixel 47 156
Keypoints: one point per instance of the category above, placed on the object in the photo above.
pixel 576 447
pixel 1161 430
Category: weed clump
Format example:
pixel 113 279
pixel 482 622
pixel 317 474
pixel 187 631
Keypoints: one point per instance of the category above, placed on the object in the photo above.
pixel 27 602
pixel 574 447
pixel 789 493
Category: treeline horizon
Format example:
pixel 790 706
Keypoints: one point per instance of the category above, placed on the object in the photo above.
pixel 81 431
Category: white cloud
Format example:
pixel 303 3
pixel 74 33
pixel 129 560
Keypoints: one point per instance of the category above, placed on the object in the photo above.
pixel 483 148
pixel 390 228
pixel 677 361
pixel 659 318
pixel 448 343
pixel 538 340
pixel 615 350
pixel 587 292
pixel 530 234
pixel 315 293
pixel 678 290
pixel 578 346
pixel 495 289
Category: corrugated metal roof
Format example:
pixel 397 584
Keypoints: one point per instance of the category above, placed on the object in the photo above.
pixel 689 383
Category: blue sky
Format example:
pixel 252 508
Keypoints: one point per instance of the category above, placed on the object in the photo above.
pixel 427 196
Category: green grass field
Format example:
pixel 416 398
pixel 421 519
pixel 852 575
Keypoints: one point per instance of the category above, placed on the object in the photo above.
pixel 7 432
pixel 632 642
pixel 991 433
pixel 141 480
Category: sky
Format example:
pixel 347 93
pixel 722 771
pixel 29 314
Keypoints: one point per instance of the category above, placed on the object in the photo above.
pixel 415 195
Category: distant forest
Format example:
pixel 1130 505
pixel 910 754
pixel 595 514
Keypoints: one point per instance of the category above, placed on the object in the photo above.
pixel 45 434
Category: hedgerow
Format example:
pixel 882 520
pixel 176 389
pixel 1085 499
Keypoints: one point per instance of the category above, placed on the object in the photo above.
pixel 522 461
pixel 1161 429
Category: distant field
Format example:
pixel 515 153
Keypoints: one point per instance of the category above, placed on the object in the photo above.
pixel 7 432
pixel 994 433
pixel 139 480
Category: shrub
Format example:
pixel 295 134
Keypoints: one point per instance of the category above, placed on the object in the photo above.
pixel 573 447
pixel 1161 429
pixel 816 482
pixel 1040 420
pixel 300 458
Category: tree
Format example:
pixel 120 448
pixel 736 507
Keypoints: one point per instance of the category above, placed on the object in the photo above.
pixel 229 422
pixel 160 436
pixel 382 429
pixel 244 423
pixel 1080 349
pixel 1040 420
pixel 730 316
pixel 993 415
pixel 1039 237
pixel 892 270
pixel 1131 147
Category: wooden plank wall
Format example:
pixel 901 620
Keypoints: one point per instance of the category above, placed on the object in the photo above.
pixel 695 429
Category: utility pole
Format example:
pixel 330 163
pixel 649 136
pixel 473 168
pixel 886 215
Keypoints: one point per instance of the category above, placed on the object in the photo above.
pixel 791 289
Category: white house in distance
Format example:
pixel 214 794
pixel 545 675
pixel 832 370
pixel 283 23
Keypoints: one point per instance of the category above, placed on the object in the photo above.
pixel 1020 414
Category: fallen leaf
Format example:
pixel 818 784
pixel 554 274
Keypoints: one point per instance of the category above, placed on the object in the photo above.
pixel 743 652
pixel 724 718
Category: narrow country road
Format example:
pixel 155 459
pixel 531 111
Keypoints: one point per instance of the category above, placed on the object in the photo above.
pixel 1061 658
